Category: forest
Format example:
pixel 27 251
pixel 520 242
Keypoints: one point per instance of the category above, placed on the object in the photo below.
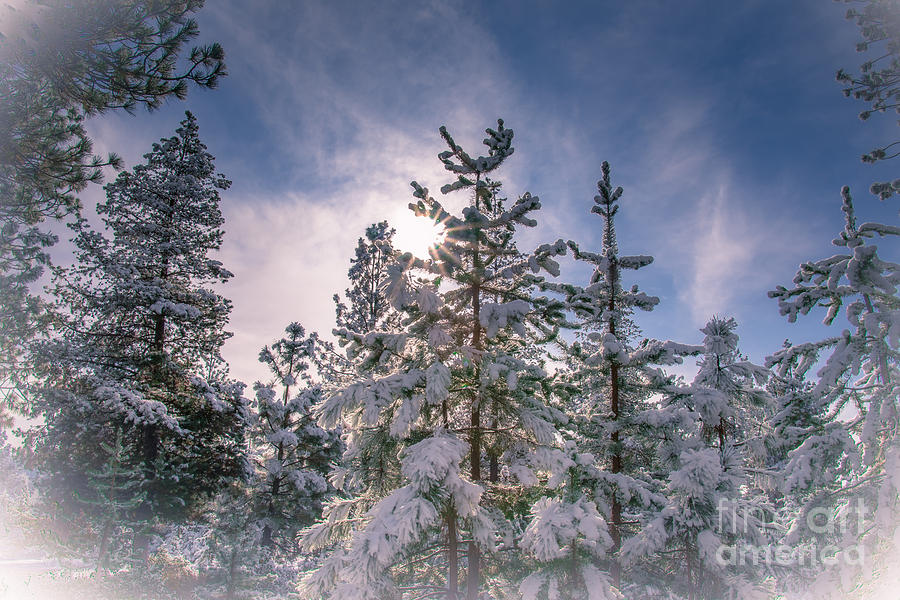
pixel 485 420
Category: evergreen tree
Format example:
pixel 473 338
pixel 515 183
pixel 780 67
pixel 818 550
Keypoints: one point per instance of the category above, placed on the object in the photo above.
pixel 116 495
pixel 734 407
pixel 428 391
pixel 369 308
pixel 566 538
pixel 59 63
pixel 138 336
pixel 612 377
pixel 878 80
pixel 843 469
pixel 796 411
pixel 705 540
pixel 291 453
pixel 234 558
pixel 254 522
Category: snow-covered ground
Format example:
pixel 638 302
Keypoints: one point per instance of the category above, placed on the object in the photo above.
pixel 37 578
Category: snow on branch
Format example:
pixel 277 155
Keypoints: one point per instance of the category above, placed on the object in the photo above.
pixel 496 316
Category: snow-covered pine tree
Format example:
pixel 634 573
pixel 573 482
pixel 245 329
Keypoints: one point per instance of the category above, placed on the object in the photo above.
pixel 728 397
pixel 138 323
pixel 845 468
pixel 611 379
pixel 704 542
pixel 430 388
pixel 795 411
pixel 369 307
pixel 229 539
pixel 373 467
pixel 60 63
pixel 566 539
pixel 292 454
pixel 878 80
pixel 255 521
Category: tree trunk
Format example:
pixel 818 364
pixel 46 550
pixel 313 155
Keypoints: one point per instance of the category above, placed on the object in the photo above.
pixel 232 573
pixel 473 573
pixel 150 435
pixel 144 512
pixel 615 531
pixel 103 553
pixel 268 540
pixel 574 575
pixel 615 506
pixel 690 572
pixel 452 557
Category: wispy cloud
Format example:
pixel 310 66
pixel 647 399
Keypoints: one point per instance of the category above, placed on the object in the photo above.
pixel 727 252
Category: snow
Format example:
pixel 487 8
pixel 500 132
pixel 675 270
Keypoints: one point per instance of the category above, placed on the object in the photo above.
pixel 699 470
pixel 177 309
pixel 282 436
pixel 428 301
pixel 635 262
pixel 496 316
pixel 398 286
pixel 531 586
pixel 525 475
pixel 433 460
pixel 437 383
pixel 438 338
pixel 598 584
pixel 406 415
pixel 134 407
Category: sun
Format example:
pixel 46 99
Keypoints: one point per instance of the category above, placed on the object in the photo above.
pixel 416 234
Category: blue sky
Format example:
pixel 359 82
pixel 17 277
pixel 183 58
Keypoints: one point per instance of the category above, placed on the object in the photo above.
pixel 721 120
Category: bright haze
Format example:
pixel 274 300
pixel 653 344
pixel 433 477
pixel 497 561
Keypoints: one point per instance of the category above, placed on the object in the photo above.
pixel 722 121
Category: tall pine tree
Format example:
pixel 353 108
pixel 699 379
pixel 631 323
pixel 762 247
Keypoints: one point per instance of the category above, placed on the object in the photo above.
pixel 61 62
pixel 369 307
pixel 461 356
pixel 612 377
pixel 704 542
pixel 291 453
pixel 138 334
pixel 844 468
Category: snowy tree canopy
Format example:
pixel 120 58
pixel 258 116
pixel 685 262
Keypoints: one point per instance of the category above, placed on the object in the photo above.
pixel 61 62
pixel 845 450
pixel 292 455
pixel 461 379
pixel 878 80
pixel 138 332
pixel 369 306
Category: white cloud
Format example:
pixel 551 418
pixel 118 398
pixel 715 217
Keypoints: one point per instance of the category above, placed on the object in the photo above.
pixel 290 253
pixel 722 251
pixel 736 254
